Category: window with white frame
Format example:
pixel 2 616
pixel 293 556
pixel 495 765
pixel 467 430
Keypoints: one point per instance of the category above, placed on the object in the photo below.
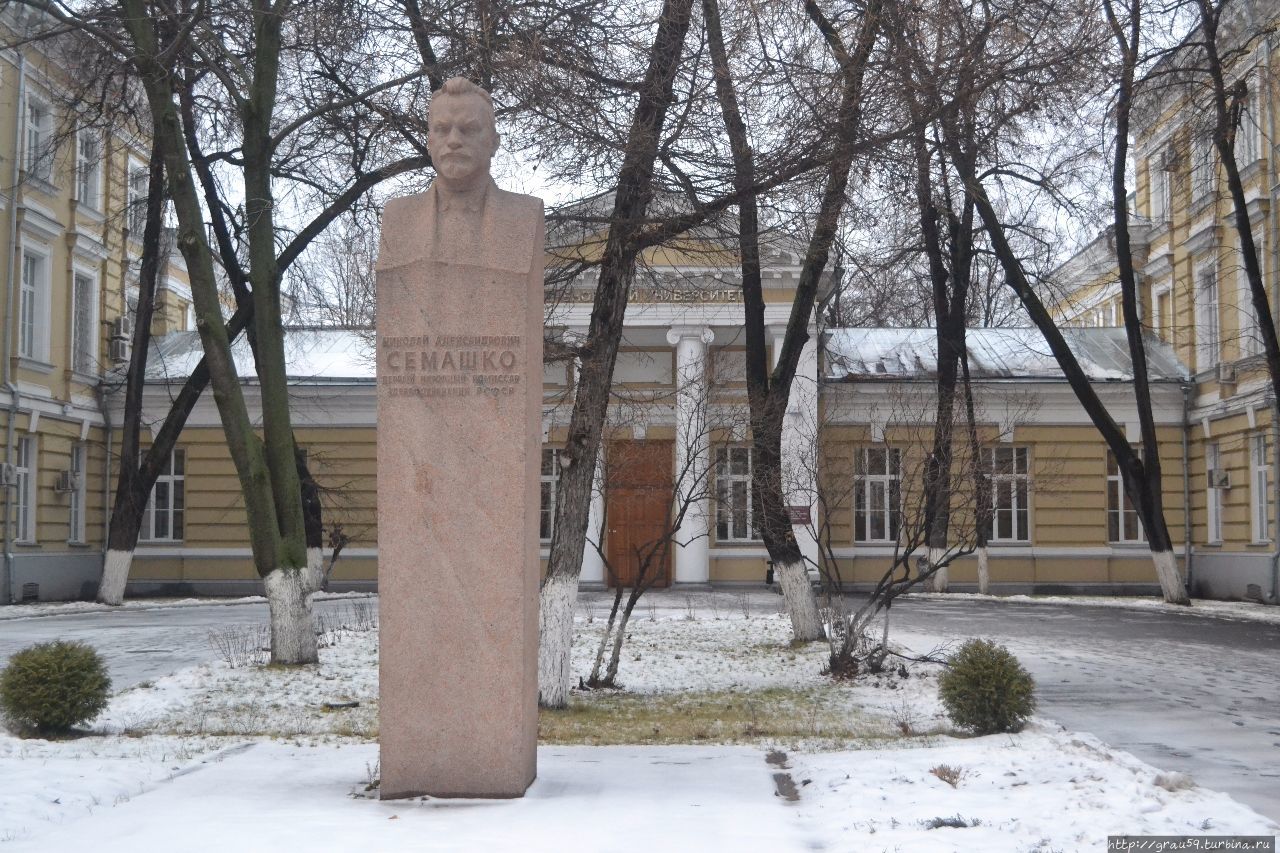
pixel 877 494
pixel 166 511
pixel 1261 499
pixel 735 516
pixel 88 168
pixel 137 199
pixel 1160 196
pixel 547 492
pixel 84 323
pixel 39 154
pixel 1202 166
pixel 25 495
pixel 1213 494
pixel 1010 494
pixel 1162 316
pixel 75 518
pixel 1122 519
pixel 1248 138
pixel 1208 320
pixel 1250 339
pixel 33 306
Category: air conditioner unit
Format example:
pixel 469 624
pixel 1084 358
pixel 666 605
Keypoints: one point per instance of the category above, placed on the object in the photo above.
pixel 8 474
pixel 68 481
pixel 1219 478
pixel 120 348
pixel 122 327
pixel 1226 373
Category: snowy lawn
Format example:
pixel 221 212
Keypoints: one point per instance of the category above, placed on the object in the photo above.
pixel 724 737
pixel 1245 611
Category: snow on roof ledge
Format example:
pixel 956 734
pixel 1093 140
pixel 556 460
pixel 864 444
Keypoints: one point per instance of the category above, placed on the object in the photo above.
pixel 311 355
pixel 1022 353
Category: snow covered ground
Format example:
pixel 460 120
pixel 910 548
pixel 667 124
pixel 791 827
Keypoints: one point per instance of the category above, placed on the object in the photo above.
pixel 257 758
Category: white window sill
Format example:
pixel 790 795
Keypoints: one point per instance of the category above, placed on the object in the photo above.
pixel 42 183
pixel 90 212
pixel 77 543
pixel 89 379
pixel 36 365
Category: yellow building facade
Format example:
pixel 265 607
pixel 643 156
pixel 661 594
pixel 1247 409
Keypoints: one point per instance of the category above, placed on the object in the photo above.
pixel 70 252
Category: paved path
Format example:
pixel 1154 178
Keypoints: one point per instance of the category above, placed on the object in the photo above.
pixel 1194 694
pixel 142 645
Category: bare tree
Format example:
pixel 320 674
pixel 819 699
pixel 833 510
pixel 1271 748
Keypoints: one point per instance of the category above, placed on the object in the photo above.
pixel 708 420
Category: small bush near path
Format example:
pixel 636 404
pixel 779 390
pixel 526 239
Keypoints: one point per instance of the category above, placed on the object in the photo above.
pixel 49 688
pixel 986 689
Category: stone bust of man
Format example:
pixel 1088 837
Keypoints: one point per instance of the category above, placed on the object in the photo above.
pixel 464 218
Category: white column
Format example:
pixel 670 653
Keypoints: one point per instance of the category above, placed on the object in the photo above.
pixel 692 543
pixel 800 442
pixel 592 562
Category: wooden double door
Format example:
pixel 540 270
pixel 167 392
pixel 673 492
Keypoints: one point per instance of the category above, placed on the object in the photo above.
pixel 638 499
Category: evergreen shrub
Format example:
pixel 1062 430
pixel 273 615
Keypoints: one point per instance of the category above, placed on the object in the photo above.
pixel 49 688
pixel 986 690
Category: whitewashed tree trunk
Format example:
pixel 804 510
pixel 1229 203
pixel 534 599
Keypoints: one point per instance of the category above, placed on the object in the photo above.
pixel 802 605
pixel 940 580
pixel 555 622
pixel 984 571
pixel 315 568
pixel 293 633
pixel 115 574
pixel 1170 581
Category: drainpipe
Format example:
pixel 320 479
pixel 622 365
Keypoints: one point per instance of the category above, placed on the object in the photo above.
pixel 1186 484
pixel 106 473
pixel 6 374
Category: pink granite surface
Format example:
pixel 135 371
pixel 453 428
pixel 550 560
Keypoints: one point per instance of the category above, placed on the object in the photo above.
pixel 459 441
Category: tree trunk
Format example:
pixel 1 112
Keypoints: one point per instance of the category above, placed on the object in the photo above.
pixel 132 485
pixel 984 571
pixel 555 620
pixel 293 634
pixel 600 351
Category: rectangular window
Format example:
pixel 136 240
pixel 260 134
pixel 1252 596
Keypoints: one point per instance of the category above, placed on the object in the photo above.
pixel 1010 494
pixel 1202 166
pixel 1213 494
pixel 877 494
pixel 547 492
pixel 84 337
pixel 1250 340
pixel 1122 518
pixel 1261 498
pixel 1208 323
pixel 39 158
pixel 137 200
pixel 88 168
pixel 735 513
pixel 1163 316
pixel 1160 202
pixel 78 493
pixel 166 511
pixel 25 495
pixel 1248 139
pixel 33 307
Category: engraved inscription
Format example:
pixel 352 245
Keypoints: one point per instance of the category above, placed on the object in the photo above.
pixel 450 366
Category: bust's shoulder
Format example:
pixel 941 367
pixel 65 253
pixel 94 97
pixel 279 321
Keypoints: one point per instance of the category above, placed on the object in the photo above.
pixel 525 204
pixel 412 201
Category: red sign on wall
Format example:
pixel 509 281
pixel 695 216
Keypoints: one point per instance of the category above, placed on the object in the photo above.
pixel 799 514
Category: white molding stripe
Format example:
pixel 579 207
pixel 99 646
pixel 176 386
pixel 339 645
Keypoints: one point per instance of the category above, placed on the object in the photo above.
pixel 730 553
pixel 145 551
pixel 166 552
pixel 1011 552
